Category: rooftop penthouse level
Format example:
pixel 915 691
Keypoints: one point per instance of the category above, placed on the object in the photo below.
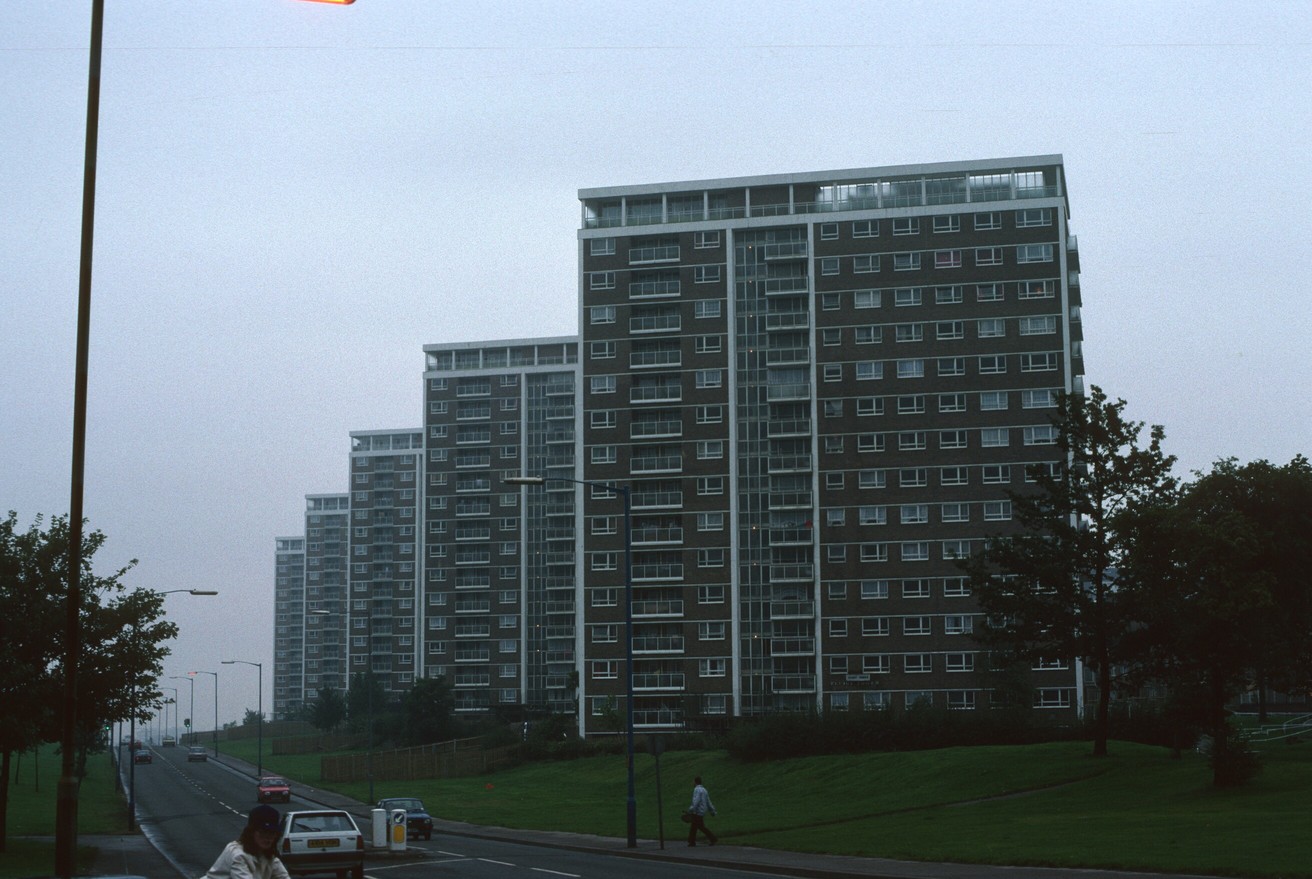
pixel 511 353
pixel 775 195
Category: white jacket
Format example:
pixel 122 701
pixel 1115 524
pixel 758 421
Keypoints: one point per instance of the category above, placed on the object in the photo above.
pixel 237 863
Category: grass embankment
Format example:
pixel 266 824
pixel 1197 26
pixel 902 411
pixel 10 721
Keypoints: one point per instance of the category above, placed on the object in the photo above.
pixel 1050 804
pixel 32 798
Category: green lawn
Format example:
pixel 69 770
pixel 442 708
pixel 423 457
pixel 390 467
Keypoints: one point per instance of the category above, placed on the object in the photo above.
pixel 32 812
pixel 1041 805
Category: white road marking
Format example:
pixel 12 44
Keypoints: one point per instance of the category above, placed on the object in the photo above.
pixel 499 863
pixel 553 872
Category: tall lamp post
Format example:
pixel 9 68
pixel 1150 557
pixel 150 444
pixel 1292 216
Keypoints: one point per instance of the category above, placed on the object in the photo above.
pixel 191 716
pixel 623 491
pixel 174 700
pixel 215 674
pixel 259 747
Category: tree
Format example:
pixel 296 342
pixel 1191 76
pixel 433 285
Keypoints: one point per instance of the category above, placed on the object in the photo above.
pixel 1053 590
pixel 327 711
pixel 369 706
pixel 251 717
pixel 1219 587
pixel 121 634
pixel 426 712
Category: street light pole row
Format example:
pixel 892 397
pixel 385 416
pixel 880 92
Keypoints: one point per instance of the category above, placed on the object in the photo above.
pixel 259 771
pixel 623 491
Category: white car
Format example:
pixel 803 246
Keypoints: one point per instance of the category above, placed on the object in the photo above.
pixel 323 841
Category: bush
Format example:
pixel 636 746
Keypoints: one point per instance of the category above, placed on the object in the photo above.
pixel 1234 762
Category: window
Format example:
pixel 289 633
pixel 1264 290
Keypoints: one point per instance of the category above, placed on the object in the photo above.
pixel 913 477
pixel 869 442
pixel 954 476
pixel 997 511
pixel 912 440
pixel 947 259
pixel 710 521
pixel 833 408
pixel 872 479
pixel 834 481
pixel 1031 253
pixel 710 414
pixel 829 265
pixel 991 328
pixel 906 296
pixel 605 634
pixel 1050 469
pixel 601 350
pixel 705 240
pixel 1045 361
pixel 915 625
pixel 711 668
pixel 830 301
pixel 868 335
pixel 828 231
pixel 874 552
pixel 838 665
pixel 710 485
pixel 1040 435
pixel 1045 398
pixel 602 314
pixel 912 368
pixel 710 595
pixel 709 378
pixel 955 512
pixel 1038 326
pixel 906 226
pixel 1052 698
pixel 707 344
pixel 951 402
pixel 996 474
pixel 872 515
pixel 874 589
pixel 990 401
pixel 602 384
pixel 949 295
pixel 710 558
pixel 956 587
pixel 950 329
pixel 951 366
pixel 961 700
pixel 838 628
pixel 915 588
pixel 605 597
pixel 906 262
pixel 713 631
pixel 832 372
pixel 865 228
pixel 915 551
pixel 875 627
pixel 909 332
pixel 602 247
pixel 706 308
pixel 952 439
pixel 706 274
pixel 947 224
pixel 959 662
pixel 864 264
pixel 914 514
pixel 988 256
pixel 1031 217
pixel 993 437
pixel 1035 290
pixel 709 450
pixel 866 299
pixel 601 280
pixel 867 370
pixel 917 663
pixel 604 561
pixel 603 455
pixel 602 418
pixel 987 221
pixel 831 336
pixel 876 664
pixel 912 404
pixel 992 364
pixel 835 518
pixel 988 292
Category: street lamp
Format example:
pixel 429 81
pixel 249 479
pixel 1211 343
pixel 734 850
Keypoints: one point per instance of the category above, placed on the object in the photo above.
pixel 174 700
pixel 622 490
pixel 259 667
pixel 216 706
pixel 191 716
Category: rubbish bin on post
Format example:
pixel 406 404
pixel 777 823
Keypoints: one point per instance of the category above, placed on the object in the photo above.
pixel 396 841
pixel 378 831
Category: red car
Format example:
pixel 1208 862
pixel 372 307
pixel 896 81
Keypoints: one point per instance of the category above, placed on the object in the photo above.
pixel 273 789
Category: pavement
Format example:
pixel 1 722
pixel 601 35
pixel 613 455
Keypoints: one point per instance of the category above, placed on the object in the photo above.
pixel 133 855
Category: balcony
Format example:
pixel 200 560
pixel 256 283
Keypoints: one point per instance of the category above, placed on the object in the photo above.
pixel 647 255
pixel 662 571
pixel 647 429
pixel 657 534
pixel 650 718
pixel 657 500
pixel 653 609
pixel 789 500
pixel 789 464
pixel 656 464
pixel 784 250
pixel 787 356
pixel 649 359
pixel 792 683
pixel 656 324
pixel 792 610
pixel 653 289
pixel 787 320
pixel 467 679
pixel 671 393
pixel 657 644
pixel 792 536
pixel 788 391
pixel 792 646
pixel 788 427
pixel 792 573
pixel 472 654
pixel 660 681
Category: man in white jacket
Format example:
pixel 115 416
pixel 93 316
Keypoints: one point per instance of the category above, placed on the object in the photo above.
pixel 701 805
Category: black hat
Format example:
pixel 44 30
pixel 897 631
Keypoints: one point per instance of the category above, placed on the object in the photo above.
pixel 263 817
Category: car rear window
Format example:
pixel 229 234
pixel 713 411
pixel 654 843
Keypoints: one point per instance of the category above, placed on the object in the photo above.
pixel 321 823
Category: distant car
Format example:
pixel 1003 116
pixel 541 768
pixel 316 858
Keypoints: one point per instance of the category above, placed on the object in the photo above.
pixel 417 820
pixel 168 742
pixel 273 789
pixel 196 754
pixel 143 756
pixel 321 842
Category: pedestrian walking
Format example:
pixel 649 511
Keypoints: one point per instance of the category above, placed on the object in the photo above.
pixel 254 855
pixel 701 805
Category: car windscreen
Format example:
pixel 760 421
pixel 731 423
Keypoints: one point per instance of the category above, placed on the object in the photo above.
pixel 321 823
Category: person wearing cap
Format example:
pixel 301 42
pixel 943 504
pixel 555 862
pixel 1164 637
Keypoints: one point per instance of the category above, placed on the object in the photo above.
pixel 254 855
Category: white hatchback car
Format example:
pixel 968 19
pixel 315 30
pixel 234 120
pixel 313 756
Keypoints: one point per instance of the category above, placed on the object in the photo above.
pixel 325 841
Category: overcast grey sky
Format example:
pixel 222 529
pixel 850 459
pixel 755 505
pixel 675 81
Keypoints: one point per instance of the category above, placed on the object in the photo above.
pixel 294 198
